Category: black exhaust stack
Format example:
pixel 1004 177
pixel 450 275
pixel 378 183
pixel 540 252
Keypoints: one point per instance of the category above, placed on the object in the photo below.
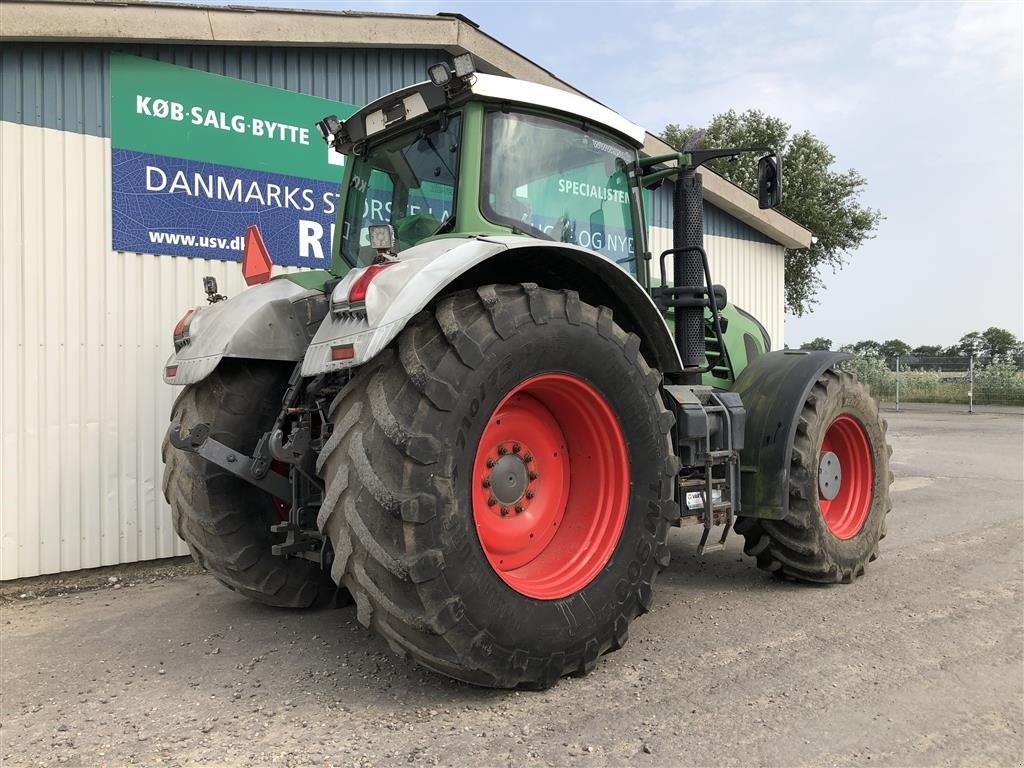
pixel 688 270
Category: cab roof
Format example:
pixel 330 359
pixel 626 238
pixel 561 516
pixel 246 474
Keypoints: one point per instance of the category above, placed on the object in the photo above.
pixel 421 98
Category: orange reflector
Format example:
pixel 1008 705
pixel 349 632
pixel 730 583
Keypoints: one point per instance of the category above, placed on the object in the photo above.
pixel 256 262
pixel 343 352
pixel 171 371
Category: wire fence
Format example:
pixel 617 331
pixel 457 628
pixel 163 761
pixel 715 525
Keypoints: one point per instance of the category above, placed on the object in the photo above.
pixel 965 381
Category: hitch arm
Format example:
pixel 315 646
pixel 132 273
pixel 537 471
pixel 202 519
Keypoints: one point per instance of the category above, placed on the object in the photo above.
pixel 199 442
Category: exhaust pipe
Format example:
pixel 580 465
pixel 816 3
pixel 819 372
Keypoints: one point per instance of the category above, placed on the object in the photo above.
pixel 688 270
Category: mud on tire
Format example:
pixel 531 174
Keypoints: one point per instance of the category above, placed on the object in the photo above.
pixel 224 520
pixel 398 506
pixel 802 545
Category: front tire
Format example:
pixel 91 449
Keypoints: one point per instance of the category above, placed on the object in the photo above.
pixel 419 430
pixel 838 489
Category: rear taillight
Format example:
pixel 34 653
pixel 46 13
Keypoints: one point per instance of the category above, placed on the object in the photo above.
pixel 357 294
pixel 181 330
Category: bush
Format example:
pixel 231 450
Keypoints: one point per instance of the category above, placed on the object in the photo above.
pixel 999 383
pixel 872 370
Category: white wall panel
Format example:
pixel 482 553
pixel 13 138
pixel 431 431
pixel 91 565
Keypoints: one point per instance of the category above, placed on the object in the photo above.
pixel 84 332
pixel 753 273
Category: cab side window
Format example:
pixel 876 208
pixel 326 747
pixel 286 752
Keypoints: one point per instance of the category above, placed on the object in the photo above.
pixel 556 180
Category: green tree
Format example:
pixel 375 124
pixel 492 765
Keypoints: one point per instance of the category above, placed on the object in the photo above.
pixel 970 344
pixel 825 201
pixel 819 343
pixel 998 343
pixel 928 350
pixel 893 347
pixel 866 347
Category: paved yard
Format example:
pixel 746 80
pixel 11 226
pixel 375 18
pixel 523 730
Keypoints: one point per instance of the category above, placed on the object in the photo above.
pixel 919 663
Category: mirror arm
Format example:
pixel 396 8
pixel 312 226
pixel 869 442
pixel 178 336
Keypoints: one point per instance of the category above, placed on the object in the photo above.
pixel 687 160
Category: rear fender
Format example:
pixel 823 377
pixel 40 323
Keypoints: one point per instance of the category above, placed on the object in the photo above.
pixel 426 271
pixel 272 321
pixel 774 388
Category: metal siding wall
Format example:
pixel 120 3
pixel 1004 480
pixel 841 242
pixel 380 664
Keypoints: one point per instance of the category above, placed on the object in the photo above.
pixel 716 221
pixel 753 273
pixel 66 86
pixel 85 330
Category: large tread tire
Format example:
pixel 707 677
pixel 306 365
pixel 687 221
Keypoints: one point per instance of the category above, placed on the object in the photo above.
pixel 801 546
pixel 398 465
pixel 224 520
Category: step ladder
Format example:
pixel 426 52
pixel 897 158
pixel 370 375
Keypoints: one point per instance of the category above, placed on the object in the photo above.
pixel 723 511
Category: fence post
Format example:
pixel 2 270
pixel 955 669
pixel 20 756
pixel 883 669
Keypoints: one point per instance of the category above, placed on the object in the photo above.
pixel 897 382
pixel 970 386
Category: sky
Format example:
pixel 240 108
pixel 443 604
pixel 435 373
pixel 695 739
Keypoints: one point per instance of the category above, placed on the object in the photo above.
pixel 924 99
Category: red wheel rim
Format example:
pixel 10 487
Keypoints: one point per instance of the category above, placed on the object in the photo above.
pixel 550 486
pixel 848 508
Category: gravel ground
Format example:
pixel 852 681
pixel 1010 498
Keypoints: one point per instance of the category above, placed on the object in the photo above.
pixel 919 663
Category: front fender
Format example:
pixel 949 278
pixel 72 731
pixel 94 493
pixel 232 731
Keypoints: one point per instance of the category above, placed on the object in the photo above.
pixel 423 272
pixel 271 321
pixel 774 388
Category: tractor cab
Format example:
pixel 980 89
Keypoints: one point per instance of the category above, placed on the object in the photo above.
pixel 480 155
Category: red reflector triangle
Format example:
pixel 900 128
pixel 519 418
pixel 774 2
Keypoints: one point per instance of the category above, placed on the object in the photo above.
pixel 256 261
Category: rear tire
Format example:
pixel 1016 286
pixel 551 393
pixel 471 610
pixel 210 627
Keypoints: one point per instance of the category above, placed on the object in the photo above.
pixel 224 520
pixel 400 471
pixel 823 540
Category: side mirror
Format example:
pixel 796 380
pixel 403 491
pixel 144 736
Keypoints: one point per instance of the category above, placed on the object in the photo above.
pixel 769 181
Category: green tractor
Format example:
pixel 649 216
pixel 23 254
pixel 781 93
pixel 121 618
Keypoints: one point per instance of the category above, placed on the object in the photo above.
pixel 482 420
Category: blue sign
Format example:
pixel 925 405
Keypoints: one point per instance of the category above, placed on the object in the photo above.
pixel 178 207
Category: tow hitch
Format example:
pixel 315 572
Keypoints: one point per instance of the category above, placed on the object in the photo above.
pixel 290 441
pixel 252 470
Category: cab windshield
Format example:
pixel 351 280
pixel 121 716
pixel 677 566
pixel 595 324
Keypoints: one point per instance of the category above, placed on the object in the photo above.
pixel 408 182
pixel 558 180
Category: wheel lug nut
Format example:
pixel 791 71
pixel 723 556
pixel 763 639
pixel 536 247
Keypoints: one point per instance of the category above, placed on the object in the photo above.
pixel 502 450
pixel 529 494
pixel 486 482
pixel 534 475
pixel 490 463
pixel 504 511
pixel 527 457
pixel 516 448
pixel 519 508
pixel 491 501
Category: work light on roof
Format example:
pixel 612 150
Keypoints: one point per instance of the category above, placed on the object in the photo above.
pixel 439 74
pixel 464 66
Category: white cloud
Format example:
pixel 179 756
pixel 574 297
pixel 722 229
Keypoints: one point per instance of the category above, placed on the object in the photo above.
pixel 960 41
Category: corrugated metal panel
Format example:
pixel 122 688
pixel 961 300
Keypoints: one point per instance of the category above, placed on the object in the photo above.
pixel 753 273
pixel 67 87
pixel 716 221
pixel 84 332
